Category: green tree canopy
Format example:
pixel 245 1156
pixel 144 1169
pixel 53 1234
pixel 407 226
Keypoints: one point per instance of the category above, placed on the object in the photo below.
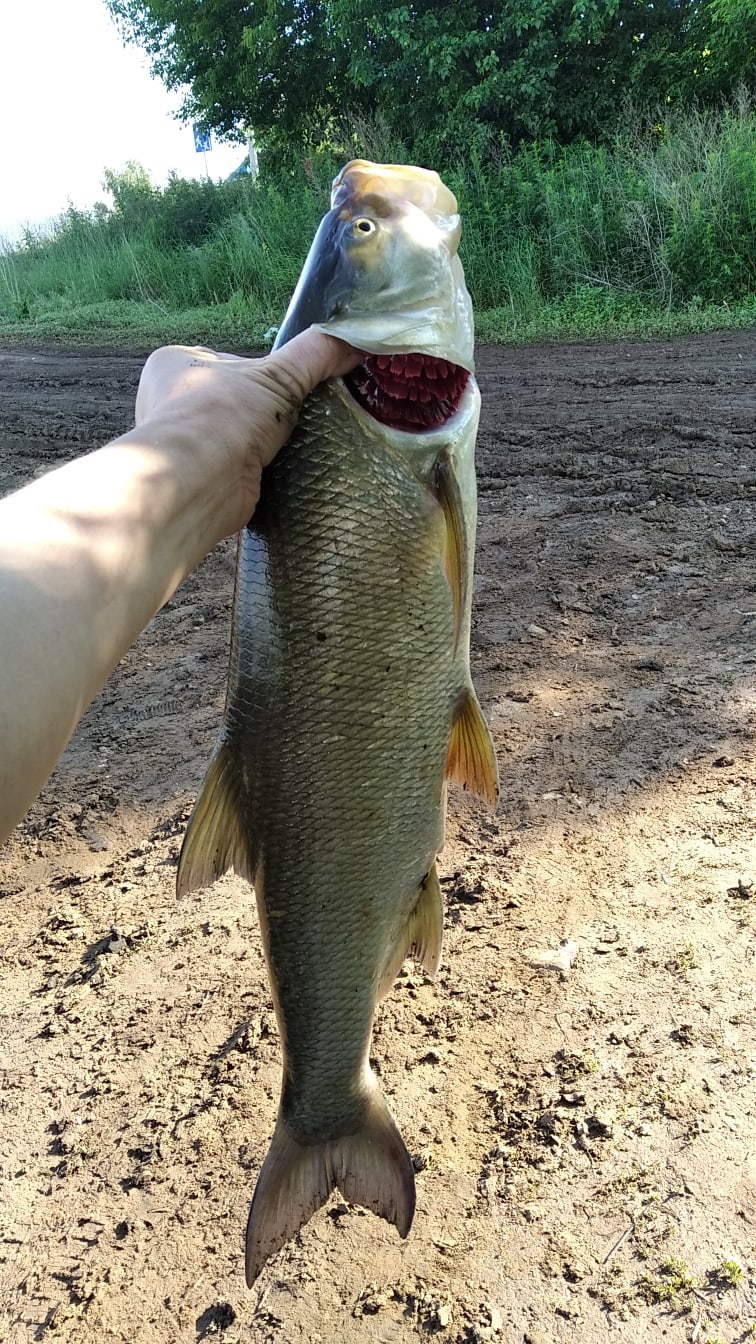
pixel 437 72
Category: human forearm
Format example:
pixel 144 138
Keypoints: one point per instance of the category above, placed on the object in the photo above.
pixel 88 554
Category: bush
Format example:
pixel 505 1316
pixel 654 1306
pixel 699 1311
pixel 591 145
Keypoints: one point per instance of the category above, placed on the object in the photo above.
pixel 664 217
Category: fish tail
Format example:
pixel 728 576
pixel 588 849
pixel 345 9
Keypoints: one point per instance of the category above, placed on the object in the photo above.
pixel 371 1167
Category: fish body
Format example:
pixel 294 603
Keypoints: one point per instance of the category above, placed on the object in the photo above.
pixel 349 698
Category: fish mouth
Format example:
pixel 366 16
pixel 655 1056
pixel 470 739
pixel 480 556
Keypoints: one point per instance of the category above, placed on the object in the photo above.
pixel 408 392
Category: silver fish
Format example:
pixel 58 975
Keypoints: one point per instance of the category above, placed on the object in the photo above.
pixel 349 700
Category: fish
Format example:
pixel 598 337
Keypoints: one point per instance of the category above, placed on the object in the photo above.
pixel 350 702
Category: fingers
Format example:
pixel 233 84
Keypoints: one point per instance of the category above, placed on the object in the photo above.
pixel 311 357
pixel 291 372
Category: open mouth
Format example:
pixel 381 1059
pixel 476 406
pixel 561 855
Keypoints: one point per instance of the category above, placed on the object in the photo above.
pixel 409 392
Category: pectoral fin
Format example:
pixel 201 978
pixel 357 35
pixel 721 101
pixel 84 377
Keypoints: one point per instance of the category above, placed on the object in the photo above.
pixel 446 490
pixel 216 837
pixel 471 761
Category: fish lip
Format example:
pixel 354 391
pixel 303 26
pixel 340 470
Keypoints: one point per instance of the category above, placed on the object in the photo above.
pixel 463 408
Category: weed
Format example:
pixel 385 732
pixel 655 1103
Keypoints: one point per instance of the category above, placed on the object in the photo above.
pixel 684 960
pixel 570 1067
pixel 673 1278
pixel 649 237
pixel 726 1275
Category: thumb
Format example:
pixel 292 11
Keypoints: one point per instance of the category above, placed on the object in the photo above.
pixel 308 359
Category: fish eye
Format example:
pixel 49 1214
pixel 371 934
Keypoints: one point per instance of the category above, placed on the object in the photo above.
pixel 364 227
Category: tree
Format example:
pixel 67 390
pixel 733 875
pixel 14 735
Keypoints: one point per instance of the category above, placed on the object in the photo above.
pixel 437 72
pixel 275 65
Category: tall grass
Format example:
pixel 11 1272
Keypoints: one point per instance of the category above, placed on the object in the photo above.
pixel 576 238
pixel 667 215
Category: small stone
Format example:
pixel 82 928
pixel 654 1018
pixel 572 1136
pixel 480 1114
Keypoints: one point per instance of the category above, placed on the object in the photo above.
pixel 443 1315
pixel 216 1318
pixel 430 1057
pixel 489 1185
pixel 97 842
pixel 532 1213
pixel 601 1125
pixel 496 1319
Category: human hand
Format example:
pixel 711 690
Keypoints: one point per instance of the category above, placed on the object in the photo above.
pixel 236 412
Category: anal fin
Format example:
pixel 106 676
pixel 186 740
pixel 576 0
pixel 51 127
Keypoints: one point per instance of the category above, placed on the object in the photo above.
pixel 423 935
pixel 471 761
pixel 216 836
pixel 371 1167
pixel 426 924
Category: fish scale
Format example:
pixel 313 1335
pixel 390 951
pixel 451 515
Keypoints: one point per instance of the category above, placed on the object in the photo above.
pixel 340 525
pixel 349 705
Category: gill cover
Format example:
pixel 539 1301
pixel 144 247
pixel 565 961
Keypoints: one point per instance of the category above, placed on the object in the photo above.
pixel 383 271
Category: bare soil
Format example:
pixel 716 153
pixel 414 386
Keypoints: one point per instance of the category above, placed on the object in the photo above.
pixel 584 1139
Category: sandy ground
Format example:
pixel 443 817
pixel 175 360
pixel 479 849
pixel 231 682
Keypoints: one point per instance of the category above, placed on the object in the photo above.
pixel 584 1140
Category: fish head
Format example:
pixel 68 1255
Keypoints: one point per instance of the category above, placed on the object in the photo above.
pixel 384 274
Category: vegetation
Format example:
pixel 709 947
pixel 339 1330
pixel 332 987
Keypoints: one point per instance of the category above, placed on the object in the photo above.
pixel 673 1280
pixel 653 232
pixel 727 1274
pixel 525 71
pixel 586 210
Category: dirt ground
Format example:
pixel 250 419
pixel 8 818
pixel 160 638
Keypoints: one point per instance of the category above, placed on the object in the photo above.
pixel 584 1139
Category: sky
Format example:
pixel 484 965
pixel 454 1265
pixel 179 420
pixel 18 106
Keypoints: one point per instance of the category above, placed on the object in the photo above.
pixel 74 101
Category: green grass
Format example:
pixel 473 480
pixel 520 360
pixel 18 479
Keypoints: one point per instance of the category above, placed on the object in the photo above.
pixel 236 326
pixel 593 316
pixel 655 235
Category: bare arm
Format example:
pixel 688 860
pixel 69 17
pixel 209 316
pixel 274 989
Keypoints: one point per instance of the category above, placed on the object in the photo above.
pixel 90 552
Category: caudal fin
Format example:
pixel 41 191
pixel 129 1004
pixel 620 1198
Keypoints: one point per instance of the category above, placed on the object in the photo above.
pixel 370 1167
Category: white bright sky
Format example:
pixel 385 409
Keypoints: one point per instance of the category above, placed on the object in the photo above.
pixel 74 101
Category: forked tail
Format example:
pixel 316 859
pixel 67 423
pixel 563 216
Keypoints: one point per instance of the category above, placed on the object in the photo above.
pixel 370 1167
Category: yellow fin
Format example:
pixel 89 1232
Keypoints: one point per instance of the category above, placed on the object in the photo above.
pixel 446 490
pixel 423 935
pixel 371 1167
pixel 216 837
pixel 471 761
pixel 426 924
